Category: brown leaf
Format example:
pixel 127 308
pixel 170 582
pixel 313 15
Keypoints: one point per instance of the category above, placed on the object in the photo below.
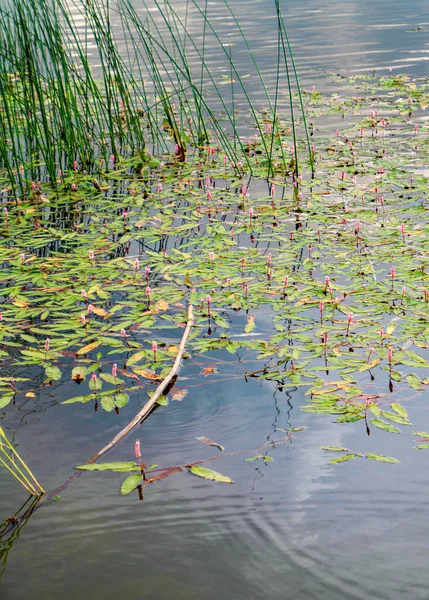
pixel 161 305
pixel 207 370
pixel 88 348
pixel 163 475
pixel 128 374
pixel 173 349
pixel 99 311
pixel 209 442
pixel 179 395
pixel 147 374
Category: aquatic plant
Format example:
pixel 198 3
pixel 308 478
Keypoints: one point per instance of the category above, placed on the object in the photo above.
pixel 13 463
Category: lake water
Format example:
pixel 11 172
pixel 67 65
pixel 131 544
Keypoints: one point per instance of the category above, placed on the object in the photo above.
pixel 295 527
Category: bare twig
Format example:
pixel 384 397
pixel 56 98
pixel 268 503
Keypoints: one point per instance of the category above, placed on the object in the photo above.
pixel 163 386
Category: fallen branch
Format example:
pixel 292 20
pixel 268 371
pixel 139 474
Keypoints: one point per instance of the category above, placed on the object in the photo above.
pixel 163 386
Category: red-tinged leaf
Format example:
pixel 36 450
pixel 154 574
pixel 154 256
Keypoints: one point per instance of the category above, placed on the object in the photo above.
pixel 209 442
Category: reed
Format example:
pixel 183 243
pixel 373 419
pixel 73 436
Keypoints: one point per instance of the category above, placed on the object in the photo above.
pixel 13 463
pixel 140 89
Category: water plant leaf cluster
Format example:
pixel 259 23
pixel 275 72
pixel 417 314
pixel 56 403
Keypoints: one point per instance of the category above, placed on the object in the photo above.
pixel 323 279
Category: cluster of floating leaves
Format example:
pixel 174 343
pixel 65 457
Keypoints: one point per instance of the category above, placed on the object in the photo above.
pixel 96 274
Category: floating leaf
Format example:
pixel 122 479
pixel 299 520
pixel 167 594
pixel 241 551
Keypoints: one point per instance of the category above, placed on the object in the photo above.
pixel 399 409
pixel 334 448
pixel 381 458
pixel 413 381
pixel 130 484
pixel 179 395
pixel 422 434
pixel 162 400
pixel 343 458
pixel 113 466
pixel 251 458
pixel 384 425
pixel 53 373
pixel 121 399
pixel 88 348
pixel 78 373
pixel 107 403
pixel 147 374
pixel 6 399
pixel 110 379
pixel 209 474
pixel 135 358
pixel 210 442
pixel 421 447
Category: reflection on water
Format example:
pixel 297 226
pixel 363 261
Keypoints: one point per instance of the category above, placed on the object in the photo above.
pixel 292 527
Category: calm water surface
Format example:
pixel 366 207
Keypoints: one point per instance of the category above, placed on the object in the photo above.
pixel 295 527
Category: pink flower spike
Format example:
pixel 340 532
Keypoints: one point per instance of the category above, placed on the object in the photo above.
pixel 137 264
pixel 211 255
pixel 83 293
pixel 22 257
pixel 94 377
pixel 90 308
pixel 148 290
pixel 389 354
pixel 208 299
pixel 244 190
pixel 321 308
pixel 75 165
pixel 343 175
pixel 83 319
pixel 225 160
pixel 123 333
pixel 114 370
pixel 381 170
pixel 91 255
pixel 209 195
pixel 147 270
pixel 269 258
pixel 273 190
pixel 73 187
pixel 159 187
pixel 154 347
pixel 325 338
pixel 137 450
pixel 392 272
pixel 251 212
pixel 47 342
pixel 367 402
pixel 1 316
pixel 6 212
pixel 286 281
pixel 350 318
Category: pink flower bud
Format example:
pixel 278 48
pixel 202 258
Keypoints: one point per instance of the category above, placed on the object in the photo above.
pixel 148 290
pixel 225 160
pixel 136 264
pixel 209 195
pixel 137 450
pixel 325 338
pixel 94 377
pixel 350 318
pixel 83 293
pixel 273 190
pixel 73 187
pixel 114 370
pixel 91 255
pixel 147 270
pixel 286 281
pixel 208 299
pixel 83 319
pixel 392 272
pixel 154 347
pixel 75 165
pixel 159 187
pixel 123 333
pixel 321 307
pixel 22 257
pixel 47 342
pixel 389 354
pixel 343 175
pixel 244 190
pixel 251 212
pixel 381 170
pixel 90 308
pixel 6 212
pixel 269 258
pixel 211 255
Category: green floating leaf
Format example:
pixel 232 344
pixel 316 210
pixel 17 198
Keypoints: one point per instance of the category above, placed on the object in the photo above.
pixel 130 484
pixel 395 418
pixel 334 448
pixel 376 410
pixel 344 458
pixel 135 358
pixel 162 400
pixel 121 399
pixel 113 466
pixel 422 434
pixel 399 409
pixel 81 399
pixel 381 458
pixel 110 379
pixel 384 425
pixel 53 373
pixel 300 428
pixel 413 381
pixel 6 399
pixel 421 447
pixel 107 403
pixel 209 474
pixel 79 373
pixel 267 459
pixel 251 458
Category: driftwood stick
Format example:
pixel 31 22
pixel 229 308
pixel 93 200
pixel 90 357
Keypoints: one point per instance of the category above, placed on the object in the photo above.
pixel 164 385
